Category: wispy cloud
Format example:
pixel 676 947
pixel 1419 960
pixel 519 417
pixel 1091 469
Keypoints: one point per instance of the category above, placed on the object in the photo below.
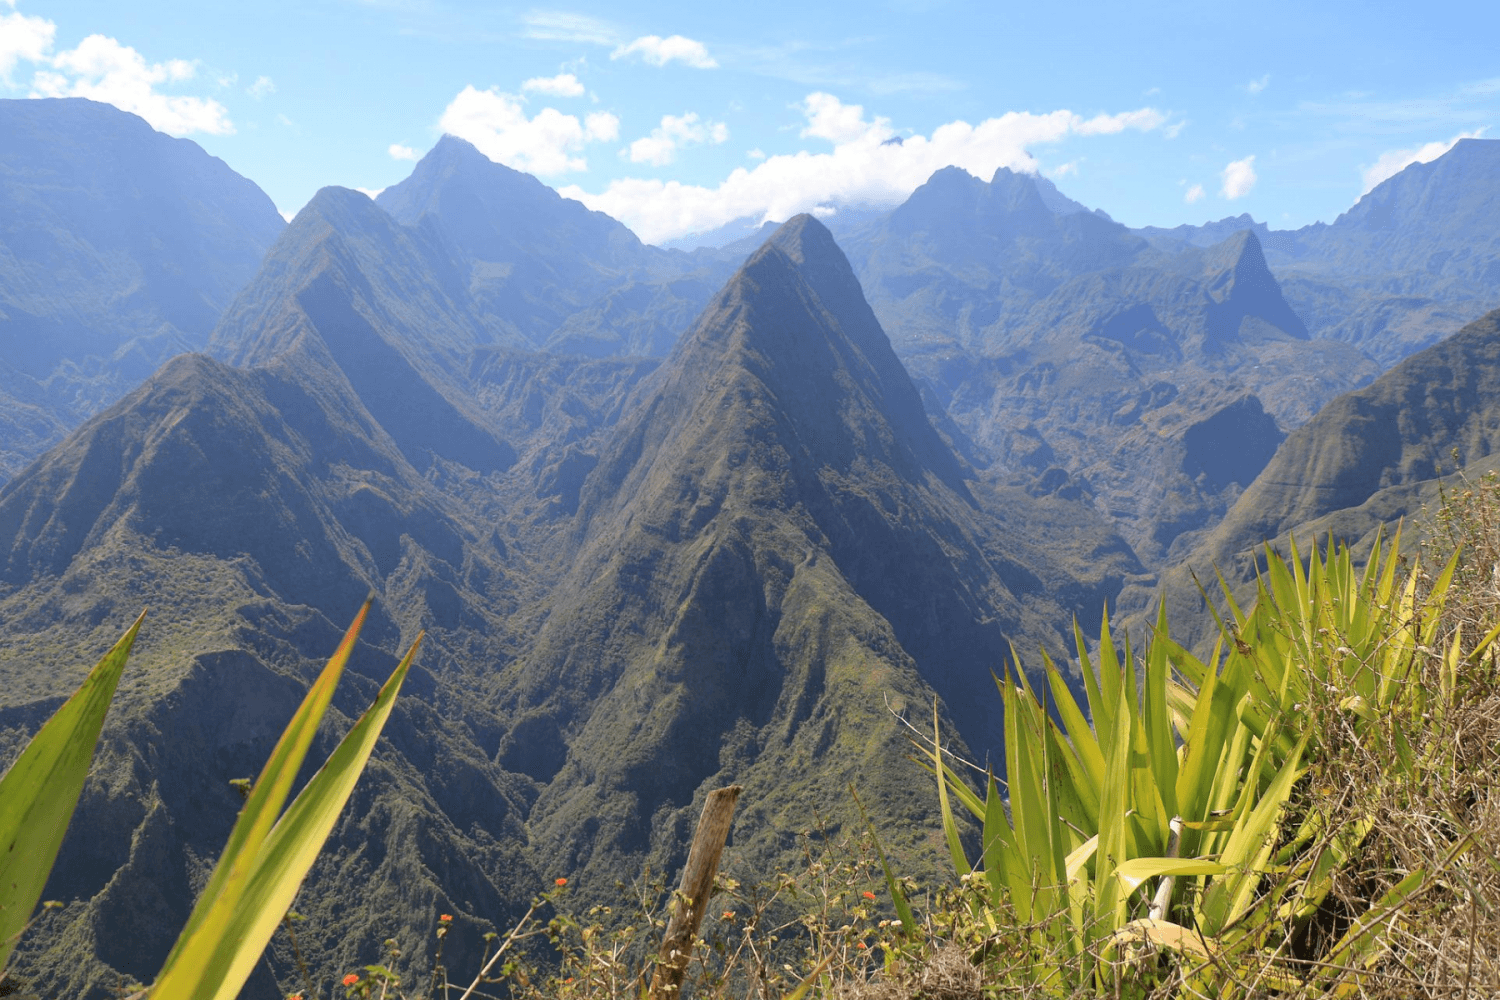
pixel 400 152
pixel 558 26
pixel 863 166
pixel 1194 193
pixel 1393 161
pixel 659 51
pixel 1363 114
pixel 914 83
pixel 1239 178
pixel 263 86
pixel 1256 86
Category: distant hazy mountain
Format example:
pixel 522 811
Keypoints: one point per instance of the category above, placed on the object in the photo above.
pixel 1414 258
pixel 1075 356
pixel 962 259
pixel 638 580
pixel 1372 456
pixel 119 246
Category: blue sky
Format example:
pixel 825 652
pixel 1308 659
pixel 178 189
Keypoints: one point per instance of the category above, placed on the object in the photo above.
pixel 678 117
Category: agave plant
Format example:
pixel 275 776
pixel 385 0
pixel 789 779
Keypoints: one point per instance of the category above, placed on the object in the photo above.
pixel 1184 778
pixel 269 851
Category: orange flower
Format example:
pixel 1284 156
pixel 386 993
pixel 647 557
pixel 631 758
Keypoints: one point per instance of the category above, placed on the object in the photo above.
pixel 728 914
pixel 562 881
pixel 861 945
pixel 351 979
pixel 295 996
pixel 445 918
pixel 868 894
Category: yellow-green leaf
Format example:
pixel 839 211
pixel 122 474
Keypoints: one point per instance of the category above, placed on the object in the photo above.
pixel 40 791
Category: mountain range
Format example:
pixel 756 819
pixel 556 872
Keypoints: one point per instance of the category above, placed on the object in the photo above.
pixel 671 517
pixel 639 580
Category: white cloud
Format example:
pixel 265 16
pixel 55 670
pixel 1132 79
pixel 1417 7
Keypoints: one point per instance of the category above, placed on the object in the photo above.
pixel 1256 86
pixel 400 152
pixel 23 38
pixel 660 147
pixel 757 154
pixel 1194 193
pixel 102 69
pixel 1239 178
pixel 1071 167
pixel 1393 161
pixel 1173 130
pixel 547 143
pixel 862 167
pixel 263 86
pixel 659 51
pixel 370 193
pixel 562 85
pixel 832 119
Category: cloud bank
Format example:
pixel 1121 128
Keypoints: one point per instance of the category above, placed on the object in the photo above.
pixel 546 144
pixel 864 166
pixel 101 69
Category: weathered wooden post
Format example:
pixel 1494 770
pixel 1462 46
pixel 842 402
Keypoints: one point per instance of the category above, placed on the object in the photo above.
pixel 692 896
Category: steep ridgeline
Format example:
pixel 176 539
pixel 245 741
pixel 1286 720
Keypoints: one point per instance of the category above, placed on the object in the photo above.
pixel 545 271
pixel 636 580
pixel 348 289
pixel 777 551
pixel 119 247
pixel 1415 258
pixel 1368 459
pixel 1076 357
